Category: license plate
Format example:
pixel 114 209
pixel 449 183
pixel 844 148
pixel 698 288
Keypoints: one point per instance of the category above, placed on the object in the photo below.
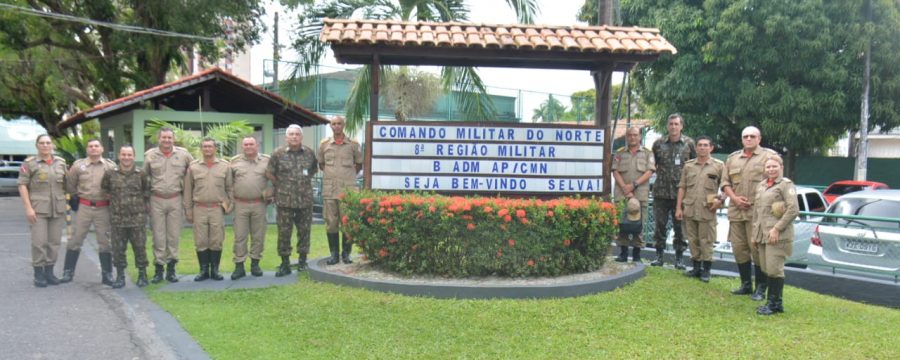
pixel 861 246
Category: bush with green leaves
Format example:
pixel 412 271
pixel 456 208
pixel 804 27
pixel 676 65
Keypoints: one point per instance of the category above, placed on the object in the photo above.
pixel 415 233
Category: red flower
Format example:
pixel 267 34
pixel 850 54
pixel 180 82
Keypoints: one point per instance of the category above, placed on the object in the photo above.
pixel 549 213
pixel 502 212
pixel 399 209
pixel 383 221
pixel 512 242
pixel 530 262
pixel 520 213
pixel 470 226
pixel 488 209
pixel 390 230
pixel 344 219
pixel 567 242
pixel 341 196
pixel 499 253
pixel 507 218
pixel 431 208
pixel 524 221
pixel 382 253
pixel 371 220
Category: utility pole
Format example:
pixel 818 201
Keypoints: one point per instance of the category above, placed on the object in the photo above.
pixel 863 150
pixel 276 55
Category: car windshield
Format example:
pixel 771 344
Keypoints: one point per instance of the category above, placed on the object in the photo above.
pixel 866 207
pixel 844 189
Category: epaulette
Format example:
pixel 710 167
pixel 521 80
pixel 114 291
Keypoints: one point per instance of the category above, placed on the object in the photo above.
pixel 786 180
pixel 325 140
pixel 109 162
pixel 233 158
pixel 622 149
pixel 646 148
pixel 691 161
pixel 28 159
pixel 738 152
pixel 265 156
pixel 196 161
pixel 717 161
pixel 60 158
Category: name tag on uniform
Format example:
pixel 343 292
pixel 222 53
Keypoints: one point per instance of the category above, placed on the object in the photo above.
pixel 678 161
pixel 305 172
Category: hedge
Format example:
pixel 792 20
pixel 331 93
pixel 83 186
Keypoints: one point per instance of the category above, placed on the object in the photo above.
pixel 416 233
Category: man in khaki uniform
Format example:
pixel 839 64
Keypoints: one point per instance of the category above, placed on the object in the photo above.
pixel 632 167
pixel 774 211
pixel 83 180
pixel 340 159
pixel 207 192
pixel 697 203
pixel 251 195
pixel 166 166
pixel 41 188
pixel 743 172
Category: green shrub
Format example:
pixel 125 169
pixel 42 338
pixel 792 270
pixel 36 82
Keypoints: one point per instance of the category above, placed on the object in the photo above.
pixel 413 233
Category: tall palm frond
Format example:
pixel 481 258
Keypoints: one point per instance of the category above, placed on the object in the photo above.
pixel 71 147
pixel 472 96
pixel 228 135
pixel 358 101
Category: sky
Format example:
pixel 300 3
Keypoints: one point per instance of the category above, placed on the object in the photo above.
pixel 501 81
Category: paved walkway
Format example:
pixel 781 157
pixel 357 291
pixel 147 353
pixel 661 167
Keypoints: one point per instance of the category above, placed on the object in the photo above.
pixel 82 319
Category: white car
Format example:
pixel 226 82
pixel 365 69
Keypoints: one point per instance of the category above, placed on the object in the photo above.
pixel 864 246
pixel 9 177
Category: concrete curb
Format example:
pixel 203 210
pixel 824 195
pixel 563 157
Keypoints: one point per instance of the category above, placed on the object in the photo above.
pixel 318 272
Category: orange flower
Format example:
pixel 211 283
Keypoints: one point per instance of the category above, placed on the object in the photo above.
pixel 371 220
pixel 530 262
pixel 399 209
pixel 470 226
pixel 549 213
pixel 507 218
pixel 382 253
pixel 520 213
pixel 383 221
pixel 488 209
pixel 432 208
pixel 524 221
pixel 512 242
pixel 344 219
pixel 502 212
pixel 341 196
pixel 567 242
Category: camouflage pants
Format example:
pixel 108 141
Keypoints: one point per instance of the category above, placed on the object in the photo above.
pixel 287 219
pixel 121 237
pixel 663 209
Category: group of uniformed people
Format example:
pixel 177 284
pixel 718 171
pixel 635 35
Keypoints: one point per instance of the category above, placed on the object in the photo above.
pixel 691 185
pixel 172 187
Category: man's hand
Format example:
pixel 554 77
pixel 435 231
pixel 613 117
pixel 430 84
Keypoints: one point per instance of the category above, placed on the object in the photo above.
pixel 679 214
pixel 31 216
pixel 773 236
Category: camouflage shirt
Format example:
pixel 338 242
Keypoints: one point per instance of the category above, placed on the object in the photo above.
pixel 670 159
pixel 291 172
pixel 128 194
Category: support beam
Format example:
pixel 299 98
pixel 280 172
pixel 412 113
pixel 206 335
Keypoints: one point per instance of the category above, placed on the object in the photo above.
pixel 374 80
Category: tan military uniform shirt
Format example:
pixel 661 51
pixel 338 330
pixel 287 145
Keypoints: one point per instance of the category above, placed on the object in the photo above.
pixel 45 182
pixel 631 167
pixel 743 174
pixel 84 178
pixel 339 163
pixel 250 182
pixel 766 214
pixel 208 185
pixel 699 181
pixel 167 172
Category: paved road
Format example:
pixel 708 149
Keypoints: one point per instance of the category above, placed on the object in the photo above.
pixel 79 320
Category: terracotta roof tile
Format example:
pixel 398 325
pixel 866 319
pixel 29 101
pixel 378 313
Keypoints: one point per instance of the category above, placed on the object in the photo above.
pixel 631 40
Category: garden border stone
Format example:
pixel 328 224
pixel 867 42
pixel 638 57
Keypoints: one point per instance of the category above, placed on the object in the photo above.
pixel 318 272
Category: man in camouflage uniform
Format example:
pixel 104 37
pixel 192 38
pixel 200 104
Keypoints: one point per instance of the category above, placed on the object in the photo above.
pixel 166 166
pixel 291 168
pixel 697 203
pixel 340 159
pixel 743 172
pixel 129 192
pixel 252 194
pixel 632 167
pixel 207 197
pixel 670 154
pixel 83 180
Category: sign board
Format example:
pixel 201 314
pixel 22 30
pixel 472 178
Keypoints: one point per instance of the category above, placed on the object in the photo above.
pixel 464 157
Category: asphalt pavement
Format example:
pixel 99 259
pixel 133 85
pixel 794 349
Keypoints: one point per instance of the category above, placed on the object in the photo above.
pixel 82 319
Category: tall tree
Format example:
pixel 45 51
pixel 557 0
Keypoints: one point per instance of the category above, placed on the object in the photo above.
pixel 792 68
pixel 473 99
pixel 551 110
pixel 78 53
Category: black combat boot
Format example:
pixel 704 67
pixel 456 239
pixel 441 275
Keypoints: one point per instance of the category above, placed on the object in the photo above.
pixel 48 274
pixel 158 275
pixel 39 279
pixel 69 266
pixel 746 284
pixel 678 255
pixel 238 271
pixel 106 268
pixel 636 254
pixel 301 262
pixel 659 258
pixel 694 271
pixel 120 278
pixel 254 268
pixel 346 247
pixel 761 284
pixel 774 304
pixel 215 257
pixel 704 274
pixel 142 277
pixel 203 259
pixel 285 267
pixel 171 276
pixel 333 247
pixel 623 254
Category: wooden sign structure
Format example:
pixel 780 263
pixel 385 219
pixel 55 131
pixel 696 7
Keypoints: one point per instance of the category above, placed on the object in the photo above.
pixel 601 50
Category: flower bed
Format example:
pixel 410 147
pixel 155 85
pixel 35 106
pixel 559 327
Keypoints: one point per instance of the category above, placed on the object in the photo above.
pixel 413 233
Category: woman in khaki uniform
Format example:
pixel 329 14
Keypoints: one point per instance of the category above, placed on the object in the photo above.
pixel 41 186
pixel 774 211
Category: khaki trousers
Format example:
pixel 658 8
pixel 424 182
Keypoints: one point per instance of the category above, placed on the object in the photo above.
pixel 166 219
pixel 249 221
pixel 332 214
pixel 739 233
pixel 772 257
pixel 209 228
pixel 701 237
pixel 87 215
pixel 46 235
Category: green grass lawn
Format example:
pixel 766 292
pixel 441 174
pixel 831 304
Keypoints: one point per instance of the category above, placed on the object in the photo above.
pixel 663 315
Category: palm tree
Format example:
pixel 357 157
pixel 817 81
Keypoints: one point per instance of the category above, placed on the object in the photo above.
pixel 226 135
pixel 473 99
pixel 410 92
pixel 551 110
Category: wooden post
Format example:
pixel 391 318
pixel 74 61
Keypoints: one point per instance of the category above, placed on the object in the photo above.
pixel 375 73
pixel 602 77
